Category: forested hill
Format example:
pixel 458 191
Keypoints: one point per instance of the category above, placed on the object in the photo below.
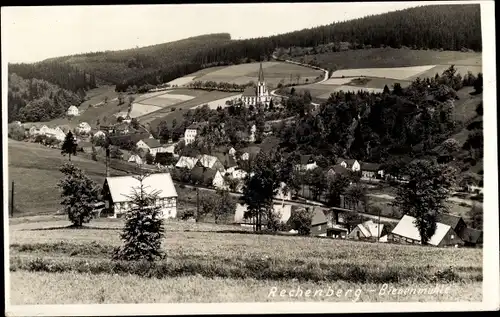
pixel 447 27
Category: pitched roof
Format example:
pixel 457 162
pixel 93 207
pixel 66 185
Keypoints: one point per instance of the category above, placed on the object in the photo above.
pixel 203 174
pixel 318 218
pixel 339 169
pixel 249 92
pixel 152 143
pixel 371 167
pixel 122 187
pixel 349 162
pixel 226 160
pixel 207 160
pixel 471 235
pixel 374 228
pixel 406 228
pixel 186 161
pixel 450 220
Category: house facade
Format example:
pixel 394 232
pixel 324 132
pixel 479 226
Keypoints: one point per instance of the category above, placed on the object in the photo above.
pixel 186 162
pixel 210 161
pixel 151 145
pixel 192 131
pixel 406 232
pixel 367 230
pixel 73 111
pixel 351 164
pixel 118 189
pixel 84 128
pixel 307 163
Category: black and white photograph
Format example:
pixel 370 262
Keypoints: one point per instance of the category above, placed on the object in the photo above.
pixel 205 158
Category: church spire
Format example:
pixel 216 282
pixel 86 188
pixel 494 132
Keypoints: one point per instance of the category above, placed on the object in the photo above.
pixel 261 74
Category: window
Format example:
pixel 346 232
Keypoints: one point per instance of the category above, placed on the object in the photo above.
pixel 452 236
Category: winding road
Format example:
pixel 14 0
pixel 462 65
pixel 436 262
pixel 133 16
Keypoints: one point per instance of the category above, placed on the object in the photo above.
pixel 325 78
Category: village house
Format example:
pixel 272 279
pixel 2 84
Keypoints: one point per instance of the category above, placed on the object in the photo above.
pixel 227 161
pixel 117 193
pixel 319 223
pixel 56 132
pixel 367 230
pixel 470 236
pixel 150 145
pixel 249 153
pixel 406 232
pixel 337 170
pixel 135 159
pixel 99 135
pixel 306 163
pixel 73 111
pixel 192 131
pixel 203 176
pixel 84 128
pixel 210 161
pixel 371 171
pixel 351 164
pixel 187 162
pixel 219 182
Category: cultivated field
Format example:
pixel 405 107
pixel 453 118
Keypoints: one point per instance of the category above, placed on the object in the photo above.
pixel 380 67
pixel 274 73
pixel 208 262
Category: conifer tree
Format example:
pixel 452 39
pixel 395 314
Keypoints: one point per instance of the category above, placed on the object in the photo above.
pixel 69 146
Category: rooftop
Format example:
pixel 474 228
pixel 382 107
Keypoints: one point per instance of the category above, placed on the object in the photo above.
pixel 122 187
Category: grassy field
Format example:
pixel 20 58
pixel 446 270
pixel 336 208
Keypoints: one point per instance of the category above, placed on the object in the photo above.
pixel 274 73
pixel 209 257
pixel 35 170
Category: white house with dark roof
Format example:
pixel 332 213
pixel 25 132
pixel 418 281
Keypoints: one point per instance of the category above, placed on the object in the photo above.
pixel 73 111
pixel 257 94
pixel 306 163
pixel 152 146
pixel 192 131
pixel 351 164
pixel 118 193
pixel 406 232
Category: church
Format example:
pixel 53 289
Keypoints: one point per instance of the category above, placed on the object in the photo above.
pixel 260 94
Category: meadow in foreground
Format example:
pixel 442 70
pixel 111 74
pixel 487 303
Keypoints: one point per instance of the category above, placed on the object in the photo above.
pixel 220 260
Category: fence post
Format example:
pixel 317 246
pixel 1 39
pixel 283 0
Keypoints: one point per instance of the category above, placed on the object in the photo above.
pixel 12 201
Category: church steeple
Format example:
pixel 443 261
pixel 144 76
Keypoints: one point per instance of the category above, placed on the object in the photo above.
pixel 261 74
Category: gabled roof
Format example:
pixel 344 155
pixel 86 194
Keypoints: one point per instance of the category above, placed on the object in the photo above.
pixel 152 143
pixel 406 228
pixel 186 161
pixel 226 160
pixel 471 235
pixel 203 174
pixel 371 167
pixel 450 220
pixel 122 187
pixel 318 218
pixel 339 169
pixel 349 162
pixel 207 160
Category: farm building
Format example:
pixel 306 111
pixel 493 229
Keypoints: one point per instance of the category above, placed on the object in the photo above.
pixel 135 159
pixel 306 163
pixel 73 111
pixel 192 131
pixel 319 223
pixel 203 176
pixel 470 236
pixel 259 94
pixel 337 170
pixel 351 164
pixel 367 230
pixel 406 232
pixel 151 145
pixel 84 128
pixel 210 161
pixel 117 192
pixel 186 162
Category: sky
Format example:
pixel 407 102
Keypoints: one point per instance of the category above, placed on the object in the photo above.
pixel 31 34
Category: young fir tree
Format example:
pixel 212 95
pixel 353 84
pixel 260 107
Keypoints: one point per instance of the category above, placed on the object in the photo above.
pixel 69 146
pixel 144 228
pixel 79 193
